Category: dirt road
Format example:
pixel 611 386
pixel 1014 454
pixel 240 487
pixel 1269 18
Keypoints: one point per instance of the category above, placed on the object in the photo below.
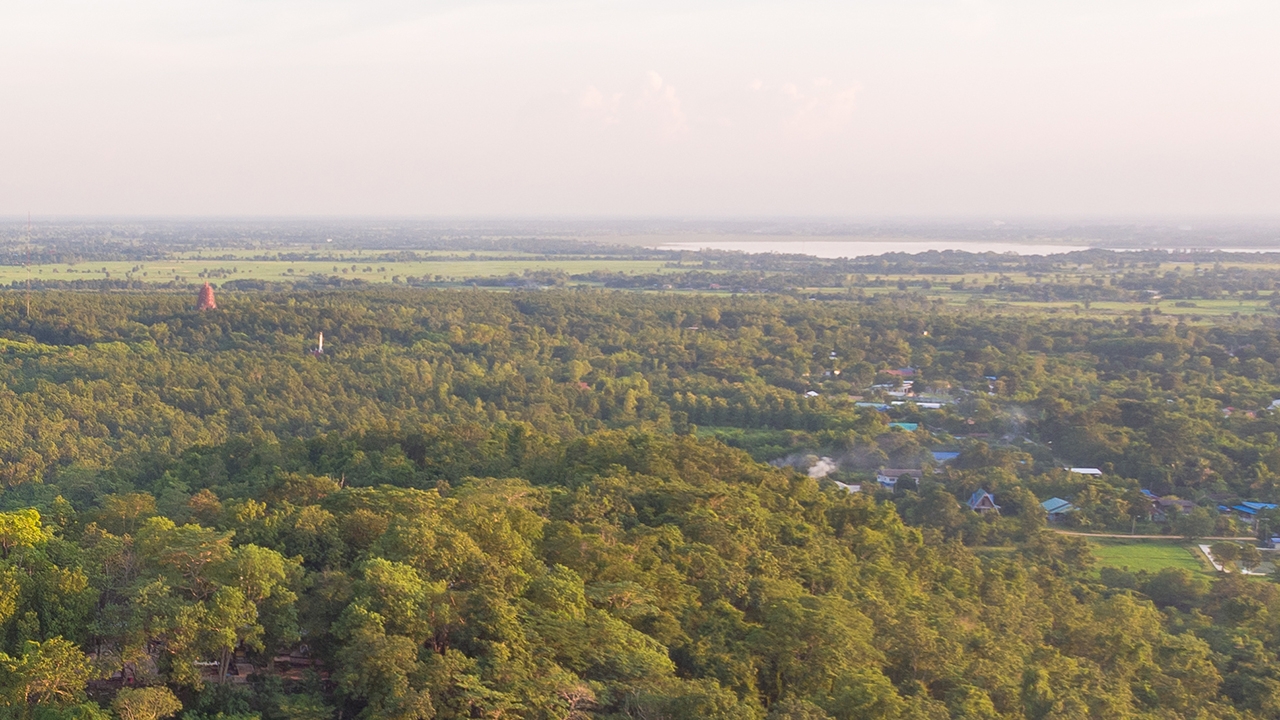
pixel 1122 536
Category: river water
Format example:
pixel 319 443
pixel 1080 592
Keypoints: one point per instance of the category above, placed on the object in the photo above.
pixel 857 248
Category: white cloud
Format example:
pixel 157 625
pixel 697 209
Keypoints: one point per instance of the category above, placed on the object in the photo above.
pixel 661 99
pixel 596 104
pixel 820 110
pixel 651 107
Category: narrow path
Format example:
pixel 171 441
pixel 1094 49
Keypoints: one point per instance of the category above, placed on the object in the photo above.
pixel 1218 566
pixel 1148 537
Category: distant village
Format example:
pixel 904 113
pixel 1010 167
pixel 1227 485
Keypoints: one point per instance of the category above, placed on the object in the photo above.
pixel 900 392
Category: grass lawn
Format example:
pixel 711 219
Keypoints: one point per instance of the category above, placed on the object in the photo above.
pixel 1149 555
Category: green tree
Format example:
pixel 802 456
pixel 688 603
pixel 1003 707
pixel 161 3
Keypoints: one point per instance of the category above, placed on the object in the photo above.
pixel 1249 557
pixel 53 672
pixel 1225 553
pixel 228 619
pixel 20 528
pixel 123 514
pixel 305 706
pixel 379 669
pixel 149 703
pixel 1198 523
pixel 266 578
pixel 189 555
pixel 796 709
pixel 1176 587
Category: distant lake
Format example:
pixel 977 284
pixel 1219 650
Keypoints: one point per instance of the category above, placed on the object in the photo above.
pixel 858 248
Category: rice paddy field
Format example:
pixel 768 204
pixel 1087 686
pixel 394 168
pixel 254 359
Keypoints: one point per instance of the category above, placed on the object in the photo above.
pixel 457 267
pixel 447 268
pixel 1149 555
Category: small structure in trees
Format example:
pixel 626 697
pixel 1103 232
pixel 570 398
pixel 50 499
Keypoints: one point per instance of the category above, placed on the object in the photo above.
pixel 888 477
pixel 1056 508
pixel 1164 508
pixel 982 501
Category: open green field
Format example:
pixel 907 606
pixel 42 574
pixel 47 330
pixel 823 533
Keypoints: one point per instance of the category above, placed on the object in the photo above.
pixel 453 267
pixel 193 268
pixel 1194 310
pixel 1149 555
pixel 1215 308
pixel 273 252
pixel 1199 308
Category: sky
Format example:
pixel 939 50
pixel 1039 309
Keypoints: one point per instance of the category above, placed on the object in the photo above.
pixel 751 108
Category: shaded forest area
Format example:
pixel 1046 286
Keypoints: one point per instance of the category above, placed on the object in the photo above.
pixel 516 505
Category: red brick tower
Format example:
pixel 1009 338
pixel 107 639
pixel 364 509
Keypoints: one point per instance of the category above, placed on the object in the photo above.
pixel 205 301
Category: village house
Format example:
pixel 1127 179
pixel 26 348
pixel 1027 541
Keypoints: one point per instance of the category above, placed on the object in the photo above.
pixel 1056 508
pixel 888 477
pixel 982 501
pixel 1248 511
pixel 1163 508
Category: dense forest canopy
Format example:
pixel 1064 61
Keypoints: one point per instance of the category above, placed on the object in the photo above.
pixel 590 503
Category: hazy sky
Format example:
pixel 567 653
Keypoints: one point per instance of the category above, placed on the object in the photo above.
pixel 640 108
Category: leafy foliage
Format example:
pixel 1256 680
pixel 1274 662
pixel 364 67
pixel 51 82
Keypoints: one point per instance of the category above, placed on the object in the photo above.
pixel 501 505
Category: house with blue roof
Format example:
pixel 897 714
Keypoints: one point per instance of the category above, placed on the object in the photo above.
pixel 909 427
pixel 1057 508
pixel 1248 511
pixel 944 456
pixel 982 501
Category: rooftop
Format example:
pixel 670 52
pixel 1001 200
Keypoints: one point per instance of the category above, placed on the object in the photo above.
pixel 1057 505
